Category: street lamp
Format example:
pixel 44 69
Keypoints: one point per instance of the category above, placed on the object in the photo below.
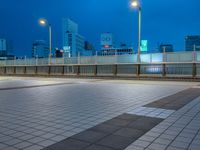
pixel 136 4
pixel 44 22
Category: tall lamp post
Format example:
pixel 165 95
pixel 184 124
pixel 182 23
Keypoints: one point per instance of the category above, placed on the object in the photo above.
pixel 136 4
pixel 44 22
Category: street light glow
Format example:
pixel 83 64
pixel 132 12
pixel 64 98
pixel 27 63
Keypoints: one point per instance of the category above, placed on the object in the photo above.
pixel 134 4
pixel 42 22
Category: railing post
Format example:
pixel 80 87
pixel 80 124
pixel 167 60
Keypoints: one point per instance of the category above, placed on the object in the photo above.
pixel 95 70
pixel 63 70
pixel 15 61
pixel 78 70
pixel 14 70
pixel 96 57
pixel 164 70
pixel 49 71
pixel 25 60
pixel 36 69
pixel 194 70
pixel 63 59
pixel 138 69
pixel 24 69
pixel 194 56
pixel 115 70
pixel 79 59
pixel 36 60
pixel 116 56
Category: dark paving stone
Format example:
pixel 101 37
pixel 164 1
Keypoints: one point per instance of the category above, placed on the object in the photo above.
pixel 141 126
pixel 98 147
pixel 105 128
pixel 89 136
pixel 177 100
pixel 69 144
pixel 115 134
pixel 47 148
pixel 116 142
pixel 118 122
pixel 33 86
pixel 130 133
pixel 128 117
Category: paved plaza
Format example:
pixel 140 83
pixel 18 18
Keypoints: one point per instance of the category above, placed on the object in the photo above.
pixel 98 114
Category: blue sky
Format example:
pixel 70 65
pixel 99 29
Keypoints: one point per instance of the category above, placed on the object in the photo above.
pixel 163 21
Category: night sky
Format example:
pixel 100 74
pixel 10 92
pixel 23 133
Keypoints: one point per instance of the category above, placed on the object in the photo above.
pixel 163 21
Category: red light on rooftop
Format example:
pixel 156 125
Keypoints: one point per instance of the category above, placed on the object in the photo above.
pixel 106 46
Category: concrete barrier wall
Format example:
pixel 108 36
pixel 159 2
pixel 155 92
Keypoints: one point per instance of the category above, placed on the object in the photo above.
pixel 2 70
pixel 157 70
pixel 20 70
pixel 30 70
pixel 151 69
pixel 87 70
pixel 71 70
pixel 179 69
pixel 127 70
pixel 43 70
pixel 10 70
pixel 56 70
pixel 105 70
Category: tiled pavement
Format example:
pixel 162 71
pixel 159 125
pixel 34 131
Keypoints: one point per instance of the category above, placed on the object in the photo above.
pixel 180 131
pixel 37 117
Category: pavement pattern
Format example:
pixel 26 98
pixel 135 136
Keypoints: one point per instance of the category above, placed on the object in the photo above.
pixel 36 113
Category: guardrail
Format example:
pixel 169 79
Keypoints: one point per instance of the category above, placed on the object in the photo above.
pixel 114 59
pixel 164 70
pixel 167 65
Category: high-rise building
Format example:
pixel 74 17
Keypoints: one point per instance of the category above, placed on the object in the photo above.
pixel 192 43
pixel 73 43
pixel 166 48
pixel 40 49
pixel 107 41
pixel 5 49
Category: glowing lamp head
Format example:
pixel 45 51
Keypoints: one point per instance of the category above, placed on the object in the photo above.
pixel 42 22
pixel 135 4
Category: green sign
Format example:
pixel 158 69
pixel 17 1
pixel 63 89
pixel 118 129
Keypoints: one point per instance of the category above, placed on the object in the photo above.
pixel 144 46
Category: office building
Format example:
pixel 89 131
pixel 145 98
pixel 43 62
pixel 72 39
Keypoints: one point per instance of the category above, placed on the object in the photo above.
pixel 40 49
pixel 73 42
pixel 6 49
pixel 192 43
pixel 107 41
pixel 108 46
pixel 166 48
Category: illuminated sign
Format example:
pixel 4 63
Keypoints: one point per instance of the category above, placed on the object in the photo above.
pixel 66 48
pixel 106 46
pixel 144 46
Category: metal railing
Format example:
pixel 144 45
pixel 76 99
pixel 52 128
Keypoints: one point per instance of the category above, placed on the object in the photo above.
pixel 178 57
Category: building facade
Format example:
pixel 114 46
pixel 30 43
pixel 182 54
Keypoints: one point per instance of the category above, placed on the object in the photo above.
pixel 107 41
pixel 116 51
pixel 40 49
pixel 5 49
pixel 73 42
pixel 192 43
pixel 166 48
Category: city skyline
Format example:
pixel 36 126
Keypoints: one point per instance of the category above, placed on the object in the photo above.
pixel 158 23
